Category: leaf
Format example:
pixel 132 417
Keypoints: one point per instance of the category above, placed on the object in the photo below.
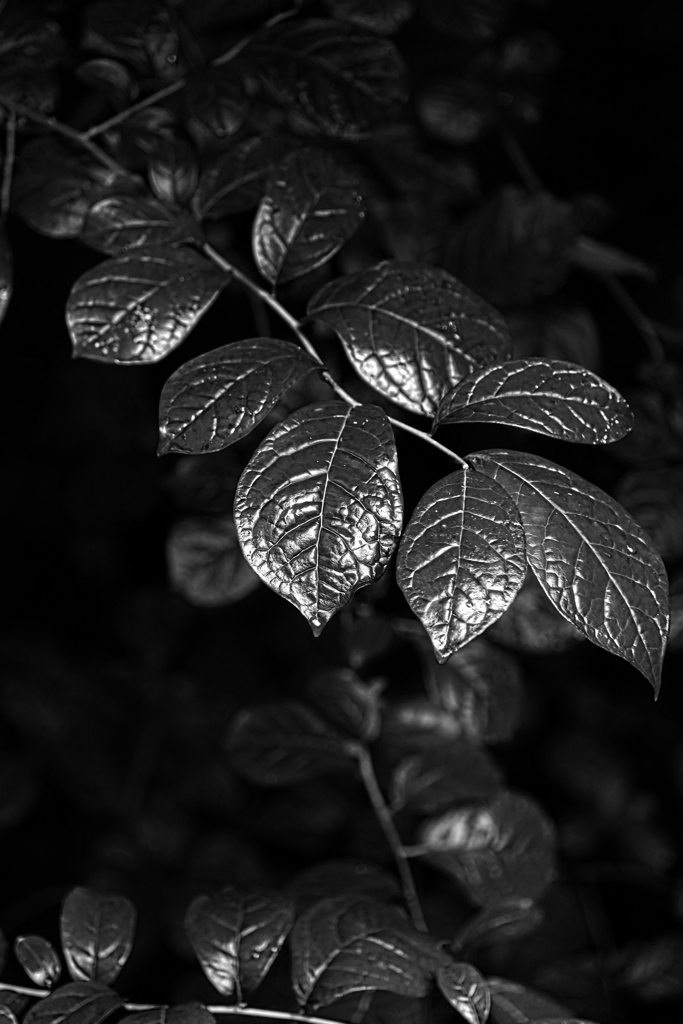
pixel 654 497
pixel 352 877
pixel 285 743
pixel 466 990
pixel 335 78
pixel 461 559
pixel 532 625
pixel 600 258
pixel 206 483
pixel 7 1015
pixel 142 33
pixel 39 959
pixel 547 396
pixel 235 180
pixel 237 935
pixel 138 307
pixel 206 564
pixel 6 273
pixel 181 1013
pixel 411 331
pixel 348 702
pixel 97 934
pixel 381 16
pixel 217 103
pixel 319 507
pixel 110 77
pixel 343 945
pixel 595 564
pixel 118 224
pixel 556 330
pixel 443 775
pixel 174 172
pixel 76 1003
pixel 455 110
pixel 219 397
pixel 516 1004
pixel 311 207
pixel 474 21
pixel 512 918
pixel 494 850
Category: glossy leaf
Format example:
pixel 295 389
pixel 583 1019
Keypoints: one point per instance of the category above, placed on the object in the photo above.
pixel 235 180
pixel 120 223
pixel 343 945
pixel 597 566
pixel 206 564
pixel 461 559
pixel 466 990
pixel 80 1002
pixel 442 775
pixel 282 744
pixel 319 507
pixel 352 877
pixel 381 16
pixel 219 397
pixel 39 959
pixel 138 307
pixel 347 701
pixel 411 331
pixel 512 1003
pixel 332 76
pixel 237 934
pixel 311 207
pixel 97 934
pixel 547 396
pixel 6 272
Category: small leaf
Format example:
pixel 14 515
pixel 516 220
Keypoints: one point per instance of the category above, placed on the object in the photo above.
pixel 466 990
pixel 343 945
pixel 285 743
pixel 319 507
pixel 411 331
pixel 174 171
pixel 311 207
pixel 235 180
pixel 601 258
pixel 80 1002
pixel 138 307
pixel 461 559
pixel 219 397
pixel 455 110
pixel 512 1003
pixel 120 223
pixel 39 959
pixel 6 272
pixel 110 77
pixel 353 877
pixel 97 934
pixel 381 16
pixel 206 564
pixel 348 702
pixel 547 396
pixel 7 1015
pixel 440 776
pixel 595 564
pixel 512 918
pixel 237 935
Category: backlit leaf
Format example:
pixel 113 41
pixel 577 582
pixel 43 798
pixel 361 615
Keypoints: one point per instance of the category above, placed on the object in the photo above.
pixel 97 934
pixel 512 1003
pixel 597 566
pixel 206 564
pixel 219 397
pixel 547 396
pixel 237 934
pixel 411 331
pixel 80 1002
pixel 311 207
pixel 319 507
pixel 39 959
pixel 6 272
pixel 461 559
pixel 466 990
pixel 381 16
pixel 120 223
pixel 138 307
pixel 442 775
pixel 235 180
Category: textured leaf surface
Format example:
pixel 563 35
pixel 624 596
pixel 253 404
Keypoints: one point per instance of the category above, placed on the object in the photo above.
pixel 120 223
pixel 81 1002
pixel 466 990
pixel 39 959
pixel 6 272
pixel 206 564
pixel 336 78
pixel 343 945
pixel 442 775
pixel 219 397
pixel 138 307
pixel 512 1003
pixel 597 566
pixel 311 207
pixel 237 934
pixel 461 559
pixel 235 180
pixel 97 934
pixel 547 396
pixel 411 331
pixel 319 507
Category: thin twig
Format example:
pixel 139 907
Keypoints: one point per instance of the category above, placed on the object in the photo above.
pixel 67 132
pixel 521 163
pixel 124 115
pixel 8 164
pixel 642 323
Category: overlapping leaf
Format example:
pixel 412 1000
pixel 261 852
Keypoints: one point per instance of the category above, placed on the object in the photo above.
pixel 512 918
pixel 597 566
pixel 138 307
pixel 411 331
pixel 97 934
pixel 237 934
pixel 235 180
pixel 119 223
pixel 182 1013
pixel 217 103
pixel 513 1003
pixel 347 701
pixel 548 396
pixel 81 1002
pixel 39 959
pixel 6 272
pixel 219 397
pixel 311 207
pixel 461 559
pixel 319 507
pixel 206 564
pixel 466 990
pixel 442 775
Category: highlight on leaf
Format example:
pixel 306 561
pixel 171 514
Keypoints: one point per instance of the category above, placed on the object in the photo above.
pixel 97 934
pixel 120 223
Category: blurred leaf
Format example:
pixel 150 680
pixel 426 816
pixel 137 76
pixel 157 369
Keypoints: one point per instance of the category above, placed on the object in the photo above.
pixel 440 776
pixel 657 433
pixel 109 76
pixel 649 969
pixel 654 497
pixel 39 959
pixel 206 564
pixel 455 110
pixel 118 224
pixel 531 53
pixel 532 625
pixel 174 172
pixel 234 180
pixel 6 273
pixel 217 103
pixel 80 1002
pixel 381 16
pixel 516 1004
pixel 512 918
pixel 353 877
pixel 475 21
pixel 412 725
pixel 466 990
pixel 29 39
pixel 601 258
pixel 139 32
pixel 206 483
pixel 347 701
pixel 97 934
pixel 561 330
pixel 7 1015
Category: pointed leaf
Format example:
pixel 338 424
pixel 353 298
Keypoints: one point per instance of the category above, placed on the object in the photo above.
pixel 594 562
pixel 237 934
pixel 6 272
pixel 547 396
pixel 343 945
pixel 461 559
pixel 235 180
pixel 440 776
pixel 121 223
pixel 138 307
pixel 311 207
pixel 80 1002
pixel 39 959
pixel 97 934
pixel 206 564
pixel 512 1003
pixel 466 990
pixel 219 397
pixel 319 507
pixel 411 331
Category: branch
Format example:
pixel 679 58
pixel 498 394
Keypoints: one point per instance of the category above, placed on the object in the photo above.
pixel 66 131
pixel 8 164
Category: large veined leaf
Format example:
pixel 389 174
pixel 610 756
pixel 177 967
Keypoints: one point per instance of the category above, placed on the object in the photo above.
pixel 81 1002
pixel 219 397
pixel 119 223
pixel 237 934
pixel 466 990
pixel 97 934
pixel 461 559
pixel 6 272
pixel 235 180
pixel 411 331
pixel 138 307
pixel 319 507
pixel 39 959
pixel 548 396
pixel 344 944
pixel 311 207
pixel 597 566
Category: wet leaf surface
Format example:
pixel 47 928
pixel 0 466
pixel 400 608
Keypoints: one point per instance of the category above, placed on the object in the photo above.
pixel 206 564
pixel 39 959
pixel 120 223
pixel 466 990
pixel 81 1002
pixel 97 934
